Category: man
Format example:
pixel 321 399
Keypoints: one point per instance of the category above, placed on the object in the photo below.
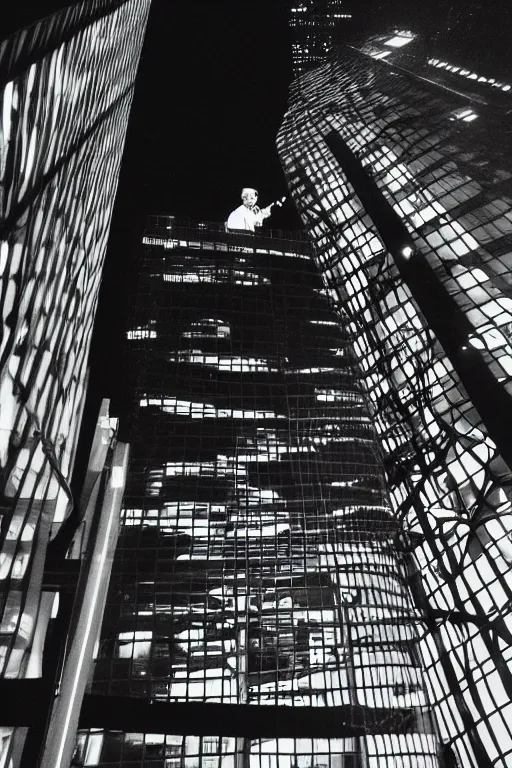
pixel 248 216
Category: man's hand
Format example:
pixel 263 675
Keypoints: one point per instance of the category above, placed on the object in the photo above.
pixel 265 212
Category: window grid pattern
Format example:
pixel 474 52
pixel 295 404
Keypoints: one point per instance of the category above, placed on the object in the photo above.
pixel 256 564
pixel 115 748
pixel 449 487
pixel 62 141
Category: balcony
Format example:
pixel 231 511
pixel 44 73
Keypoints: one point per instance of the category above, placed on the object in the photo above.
pixel 175 233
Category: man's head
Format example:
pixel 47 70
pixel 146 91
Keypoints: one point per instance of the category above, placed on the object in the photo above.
pixel 249 197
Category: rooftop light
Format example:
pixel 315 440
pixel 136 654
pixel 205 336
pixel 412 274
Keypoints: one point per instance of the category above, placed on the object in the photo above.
pixel 398 41
pixel 467 73
pixel 466 114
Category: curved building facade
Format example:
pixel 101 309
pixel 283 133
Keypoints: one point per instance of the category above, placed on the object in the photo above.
pixel 67 85
pixel 399 165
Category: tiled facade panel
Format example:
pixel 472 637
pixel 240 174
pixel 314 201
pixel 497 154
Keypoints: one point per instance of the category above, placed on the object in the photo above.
pixel 66 92
pixel 448 179
pixel 256 563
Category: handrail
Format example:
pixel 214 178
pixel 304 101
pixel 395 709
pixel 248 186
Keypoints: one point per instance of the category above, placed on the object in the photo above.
pixel 170 222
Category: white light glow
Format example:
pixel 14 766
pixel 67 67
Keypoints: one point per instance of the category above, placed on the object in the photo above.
pixel 398 41
pixel 118 476
pixel 476 342
pixel 223 362
pixel 466 114
pixel 407 252
pixel 469 75
pixel 204 410
pixel 55 606
pixel 141 333
pixel 310 370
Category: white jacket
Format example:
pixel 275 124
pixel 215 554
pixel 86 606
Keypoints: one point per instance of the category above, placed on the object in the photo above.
pixel 247 218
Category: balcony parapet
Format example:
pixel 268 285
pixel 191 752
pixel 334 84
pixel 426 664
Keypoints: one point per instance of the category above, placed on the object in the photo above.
pixel 172 232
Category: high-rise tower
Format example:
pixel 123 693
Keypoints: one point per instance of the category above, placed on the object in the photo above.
pixel 67 85
pixel 258 615
pixel 399 163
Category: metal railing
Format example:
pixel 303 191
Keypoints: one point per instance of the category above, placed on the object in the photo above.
pixel 166 227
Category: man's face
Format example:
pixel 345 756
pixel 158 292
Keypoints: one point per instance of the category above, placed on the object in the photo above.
pixel 250 199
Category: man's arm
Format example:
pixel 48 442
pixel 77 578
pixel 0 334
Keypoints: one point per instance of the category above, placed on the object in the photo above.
pixel 261 214
pixel 266 212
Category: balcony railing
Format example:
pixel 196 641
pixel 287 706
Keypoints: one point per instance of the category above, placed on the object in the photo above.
pixel 170 228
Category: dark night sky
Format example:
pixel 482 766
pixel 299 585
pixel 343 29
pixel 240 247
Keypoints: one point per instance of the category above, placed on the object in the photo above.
pixel 210 95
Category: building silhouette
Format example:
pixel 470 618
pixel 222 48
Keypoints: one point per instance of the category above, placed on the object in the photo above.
pixel 61 146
